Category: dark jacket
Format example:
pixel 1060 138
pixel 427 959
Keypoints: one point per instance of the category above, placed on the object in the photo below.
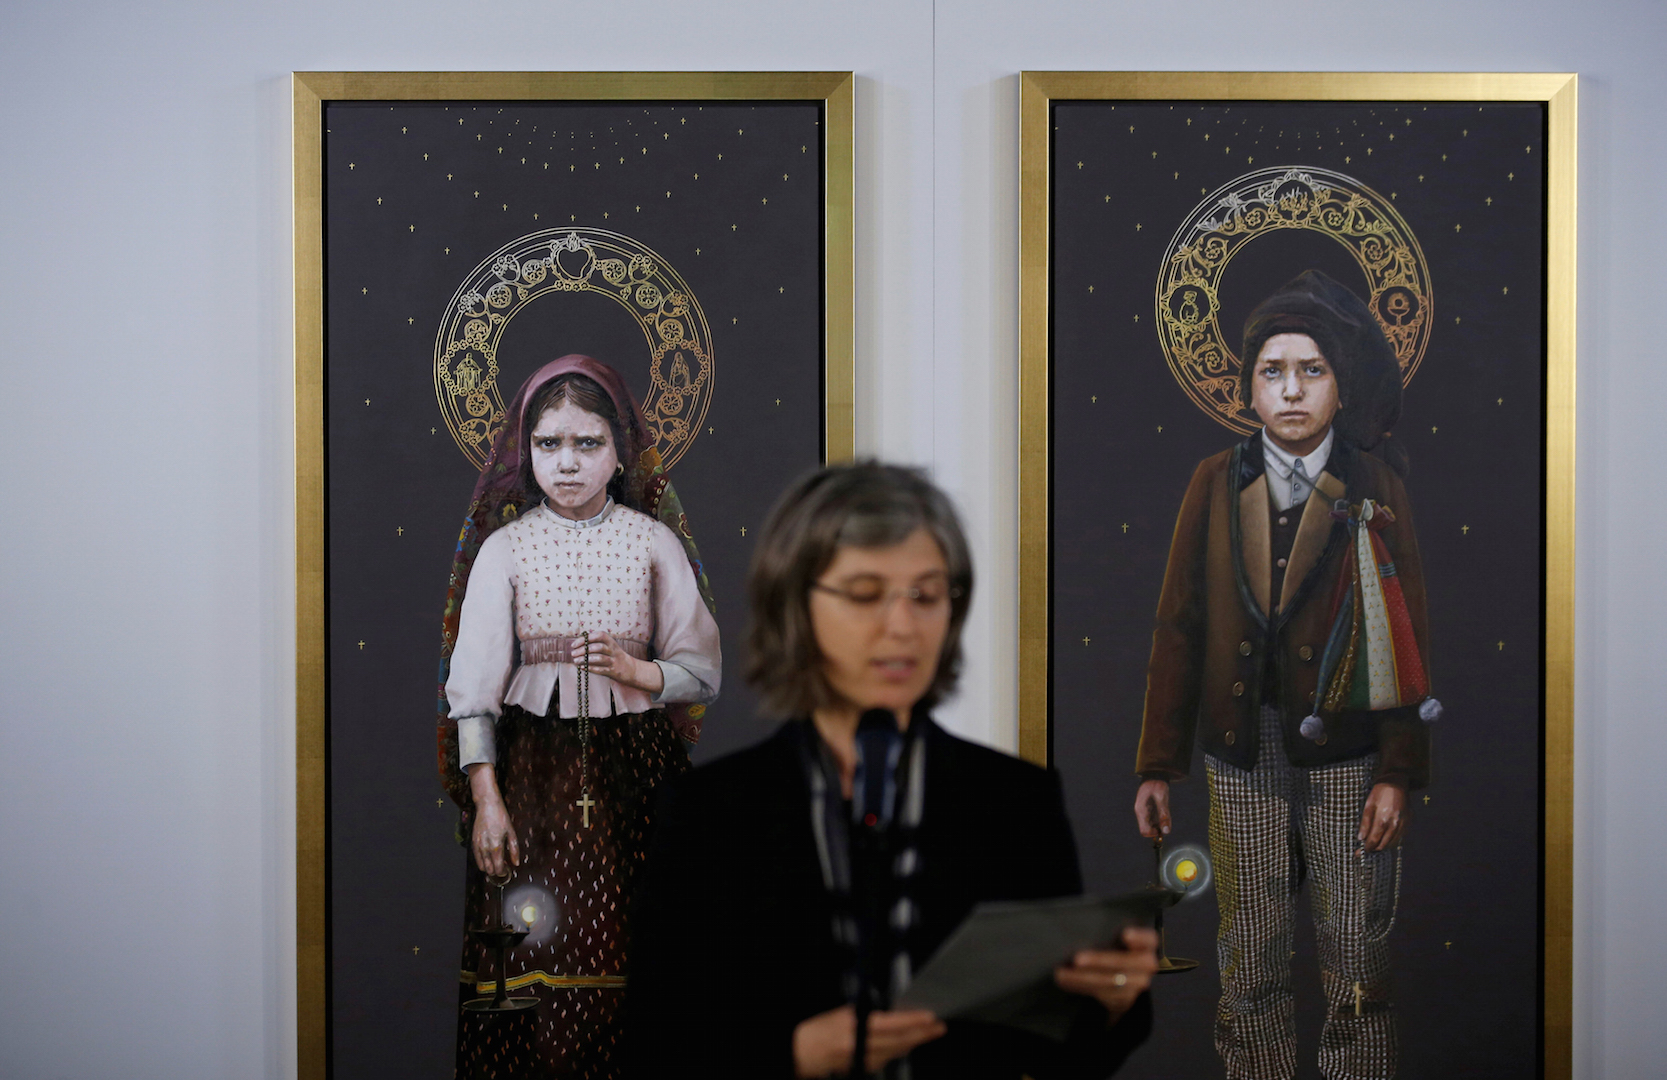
pixel 732 930
pixel 1222 636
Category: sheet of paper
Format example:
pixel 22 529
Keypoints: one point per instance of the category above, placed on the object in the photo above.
pixel 997 967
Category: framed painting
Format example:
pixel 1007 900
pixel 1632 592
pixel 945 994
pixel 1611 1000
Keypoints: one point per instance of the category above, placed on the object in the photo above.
pixel 454 232
pixel 1265 317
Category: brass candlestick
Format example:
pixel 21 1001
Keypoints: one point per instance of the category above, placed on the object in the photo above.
pixel 1167 965
pixel 499 936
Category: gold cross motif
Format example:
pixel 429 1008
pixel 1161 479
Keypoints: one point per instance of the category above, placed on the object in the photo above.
pixel 1125 526
pixel 415 949
pixel 1465 529
pixel 367 402
pixel 743 530
pixel 1160 429
pixel 1426 800
pixel 778 401
pixel 1093 399
pixel 585 804
pixel 439 802
pixel 1501 646
pixel 350 166
pixel 400 531
pixel 1085 641
pixel 361 645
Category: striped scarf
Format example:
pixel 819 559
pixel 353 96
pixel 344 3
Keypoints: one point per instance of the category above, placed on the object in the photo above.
pixel 1371 660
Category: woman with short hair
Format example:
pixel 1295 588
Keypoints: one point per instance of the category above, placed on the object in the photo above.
pixel 752 950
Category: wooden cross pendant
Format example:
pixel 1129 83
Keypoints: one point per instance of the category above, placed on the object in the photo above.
pixel 584 804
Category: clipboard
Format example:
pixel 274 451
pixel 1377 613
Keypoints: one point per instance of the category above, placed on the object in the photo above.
pixel 997 967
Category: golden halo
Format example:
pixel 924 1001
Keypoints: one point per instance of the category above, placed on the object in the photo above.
pixel 1266 201
pixel 574 259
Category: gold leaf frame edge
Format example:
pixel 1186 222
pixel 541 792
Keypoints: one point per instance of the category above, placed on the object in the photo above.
pixel 309 90
pixel 1559 93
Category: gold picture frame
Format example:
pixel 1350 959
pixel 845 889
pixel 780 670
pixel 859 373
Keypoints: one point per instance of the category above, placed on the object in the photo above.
pixel 310 91
pixel 1040 92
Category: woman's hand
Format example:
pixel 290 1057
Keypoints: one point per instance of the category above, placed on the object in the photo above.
pixel 608 658
pixel 1151 809
pixel 1384 819
pixel 1113 977
pixel 822 1045
pixel 493 836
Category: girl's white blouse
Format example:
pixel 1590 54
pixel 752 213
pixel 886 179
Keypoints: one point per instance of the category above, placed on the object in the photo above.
pixel 544 575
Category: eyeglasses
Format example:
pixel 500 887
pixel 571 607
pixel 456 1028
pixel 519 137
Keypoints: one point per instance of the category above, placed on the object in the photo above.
pixel 870 599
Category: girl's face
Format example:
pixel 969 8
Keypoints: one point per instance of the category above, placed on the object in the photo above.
pixel 573 458
pixel 880 615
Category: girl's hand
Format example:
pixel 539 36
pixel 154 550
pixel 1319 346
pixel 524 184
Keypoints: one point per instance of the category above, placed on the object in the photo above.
pixel 493 836
pixel 607 657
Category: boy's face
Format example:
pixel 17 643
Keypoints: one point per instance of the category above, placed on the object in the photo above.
pixel 1294 391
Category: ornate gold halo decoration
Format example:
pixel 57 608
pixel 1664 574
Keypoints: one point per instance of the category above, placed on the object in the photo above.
pixel 1263 202
pixel 567 261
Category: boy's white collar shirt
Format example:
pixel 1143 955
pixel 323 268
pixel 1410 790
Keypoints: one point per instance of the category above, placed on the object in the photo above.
pixel 1281 465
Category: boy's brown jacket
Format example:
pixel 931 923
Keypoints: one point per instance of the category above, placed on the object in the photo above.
pixel 1217 622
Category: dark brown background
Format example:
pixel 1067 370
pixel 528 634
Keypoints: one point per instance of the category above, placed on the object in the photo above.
pixel 1466 943
pixel 396 872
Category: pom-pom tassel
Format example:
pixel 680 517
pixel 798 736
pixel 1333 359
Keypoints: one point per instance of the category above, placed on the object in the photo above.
pixel 1312 726
pixel 1430 710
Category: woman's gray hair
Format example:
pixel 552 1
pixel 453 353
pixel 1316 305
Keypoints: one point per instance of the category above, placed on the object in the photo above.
pixel 862 504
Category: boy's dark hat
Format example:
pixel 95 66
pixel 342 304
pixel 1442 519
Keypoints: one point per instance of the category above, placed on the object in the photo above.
pixel 1368 372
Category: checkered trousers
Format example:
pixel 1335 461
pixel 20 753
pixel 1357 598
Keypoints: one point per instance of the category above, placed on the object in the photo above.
pixel 1270 828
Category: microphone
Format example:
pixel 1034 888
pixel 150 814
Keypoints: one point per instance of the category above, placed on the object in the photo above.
pixel 874 788
pixel 873 807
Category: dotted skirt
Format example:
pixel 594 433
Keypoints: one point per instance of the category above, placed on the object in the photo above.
pixel 572 889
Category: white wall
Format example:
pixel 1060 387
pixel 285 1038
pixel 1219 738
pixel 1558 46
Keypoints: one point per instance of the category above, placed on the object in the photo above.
pixel 145 643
